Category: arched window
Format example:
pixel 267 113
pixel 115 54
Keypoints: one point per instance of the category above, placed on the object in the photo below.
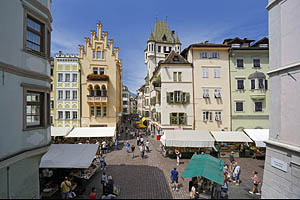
pixel 104 91
pixel 98 91
pixel 91 91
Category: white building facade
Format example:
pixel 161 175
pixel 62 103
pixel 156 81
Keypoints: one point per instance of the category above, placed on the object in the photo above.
pixel 282 166
pixel 126 101
pixel 25 95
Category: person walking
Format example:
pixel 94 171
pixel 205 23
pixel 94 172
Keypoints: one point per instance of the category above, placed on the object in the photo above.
pixel 132 150
pixel 102 161
pixel 116 144
pixel 148 146
pixel 93 194
pixel 104 182
pixel 178 155
pixel 237 173
pixel 174 178
pixel 141 150
pixel 66 187
pixel 138 140
pixel 127 147
pixel 256 184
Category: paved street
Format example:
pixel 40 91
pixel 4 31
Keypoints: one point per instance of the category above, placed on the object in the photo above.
pixel 149 178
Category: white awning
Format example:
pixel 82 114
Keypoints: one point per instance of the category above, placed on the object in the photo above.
pixel 68 156
pixel 60 131
pixel 259 136
pixel 92 132
pixel 230 136
pixel 187 138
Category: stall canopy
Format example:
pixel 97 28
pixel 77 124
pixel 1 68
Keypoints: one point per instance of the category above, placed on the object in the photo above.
pixel 187 138
pixel 142 126
pixel 230 136
pixel 259 136
pixel 60 131
pixel 206 166
pixel 69 156
pixel 92 132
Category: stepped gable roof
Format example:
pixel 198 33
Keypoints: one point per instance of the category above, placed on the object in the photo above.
pixel 162 33
pixel 264 40
pixel 257 75
pixel 174 58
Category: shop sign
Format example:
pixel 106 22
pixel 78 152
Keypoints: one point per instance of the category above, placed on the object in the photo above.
pixel 279 164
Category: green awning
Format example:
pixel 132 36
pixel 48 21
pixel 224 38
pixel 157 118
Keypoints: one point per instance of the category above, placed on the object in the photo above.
pixel 206 166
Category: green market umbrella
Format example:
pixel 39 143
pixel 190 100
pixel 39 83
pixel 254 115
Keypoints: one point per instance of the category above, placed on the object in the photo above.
pixel 205 166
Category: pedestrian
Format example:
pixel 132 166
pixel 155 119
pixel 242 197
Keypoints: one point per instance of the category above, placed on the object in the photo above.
pixel 197 196
pixel 174 178
pixel 104 182
pixel 231 157
pixel 193 192
pixel 93 194
pixel 127 147
pixel 116 144
pixel 138 140
pixel 237 173
pixel 148 146
pixel 104 146
pixel 178 155
pixel 66 187
pixel 102 161
pixel 141 150
pixel 132 150
pixel 256 184
pixel 141 140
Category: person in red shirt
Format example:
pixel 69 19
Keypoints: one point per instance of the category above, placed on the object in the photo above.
pixel 93 194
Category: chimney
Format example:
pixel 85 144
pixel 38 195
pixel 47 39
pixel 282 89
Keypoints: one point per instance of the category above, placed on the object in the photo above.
pixel 99 30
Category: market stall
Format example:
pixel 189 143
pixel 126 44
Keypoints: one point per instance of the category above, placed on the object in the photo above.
pixel 259 136
pixel 232 141
pixel 67 160
pixel 189 141
pixel 207 173
pixel 58 133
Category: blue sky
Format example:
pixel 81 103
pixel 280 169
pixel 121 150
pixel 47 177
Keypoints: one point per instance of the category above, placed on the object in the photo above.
pixel 130 22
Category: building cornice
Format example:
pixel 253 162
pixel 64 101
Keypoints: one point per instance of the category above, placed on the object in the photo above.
pixel 283 145
pixel 273 3
pixel 287 67
pixel 40 7
pixel 24 73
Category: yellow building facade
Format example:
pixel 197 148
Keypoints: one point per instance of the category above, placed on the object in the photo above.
pixel 101 81
pixel 66 90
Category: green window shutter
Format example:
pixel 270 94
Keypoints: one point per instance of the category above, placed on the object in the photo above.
pixel 181 97
pixel 187 97
pixel 185 118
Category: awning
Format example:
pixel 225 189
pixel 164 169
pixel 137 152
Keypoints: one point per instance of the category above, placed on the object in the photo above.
pixel 142 126
pixel 259 136
pixel 230 136
pixel 60 131
pixel 69 156
pixel 205 166
pixel 92 132
pixel 187 138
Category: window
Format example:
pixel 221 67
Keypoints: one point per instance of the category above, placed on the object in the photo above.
pixel 240 84
pixel 94 54
pixel 68 95
pixel 51 87
pixel 165 49
pixel 240 63
pixel 205 72
pixel 203 55
pixel 51 71
pixel 217 93
pixel 175 76
pixel 258 107
pixel 207 116
pixel 217 72
pixel 266 84
pixel 218 116
pixel 92 111
pixel 205 93
pixel 101 71
pixel 103 55
pixel 60 94
pixel 98 54
pixel 60 77
pixel 239 106
pixel 52 104
pixel 182 118
pixel 67 78
pixel 95 70
pixel 179 76
pixel 256 62
pixel 75 115
pixel 159 49
pixel 235 45
pixel 253 84
pixel 98 111
pixel 215 55
pixel 74 95
pixel 104 111
pixel 261 84
pixel 60 115
pixel 34 109
pixel 177 96
pixel 34 35
pixel 170 97
pixel 68 115
pixel 74 78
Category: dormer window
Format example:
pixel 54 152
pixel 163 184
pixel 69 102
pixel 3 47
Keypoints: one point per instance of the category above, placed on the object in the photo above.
pixel 176 58
pixel 164 38
pixel 263 45
pixel 235 45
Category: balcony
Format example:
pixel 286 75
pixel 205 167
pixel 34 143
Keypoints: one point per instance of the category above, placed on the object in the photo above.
pixel 91 99
pixel 97 77
pixel 258 94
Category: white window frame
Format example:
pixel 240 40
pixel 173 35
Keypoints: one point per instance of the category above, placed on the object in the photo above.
pixel 205 72
pixel 237 63
pixel 215 53
pixel 262 105
pixel 203 55
pixel 205 93
pixel 60 97
pixel 218 116
pixel 60 77
pixel 74 92
pixel 256 58
pixel 240 79
pixel 58 115
pixel 217 93
pixel 73 115
pixel 68 116
pixel 68 92
pixel 74 75
pixel 235 103
pixel 217 72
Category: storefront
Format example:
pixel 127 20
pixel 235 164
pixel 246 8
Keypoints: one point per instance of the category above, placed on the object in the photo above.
pixel 76 161
pixel 187 141
pixel 232 141
pixel 259 136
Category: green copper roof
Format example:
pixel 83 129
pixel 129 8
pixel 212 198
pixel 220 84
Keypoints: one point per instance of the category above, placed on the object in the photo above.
pixel 162 33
